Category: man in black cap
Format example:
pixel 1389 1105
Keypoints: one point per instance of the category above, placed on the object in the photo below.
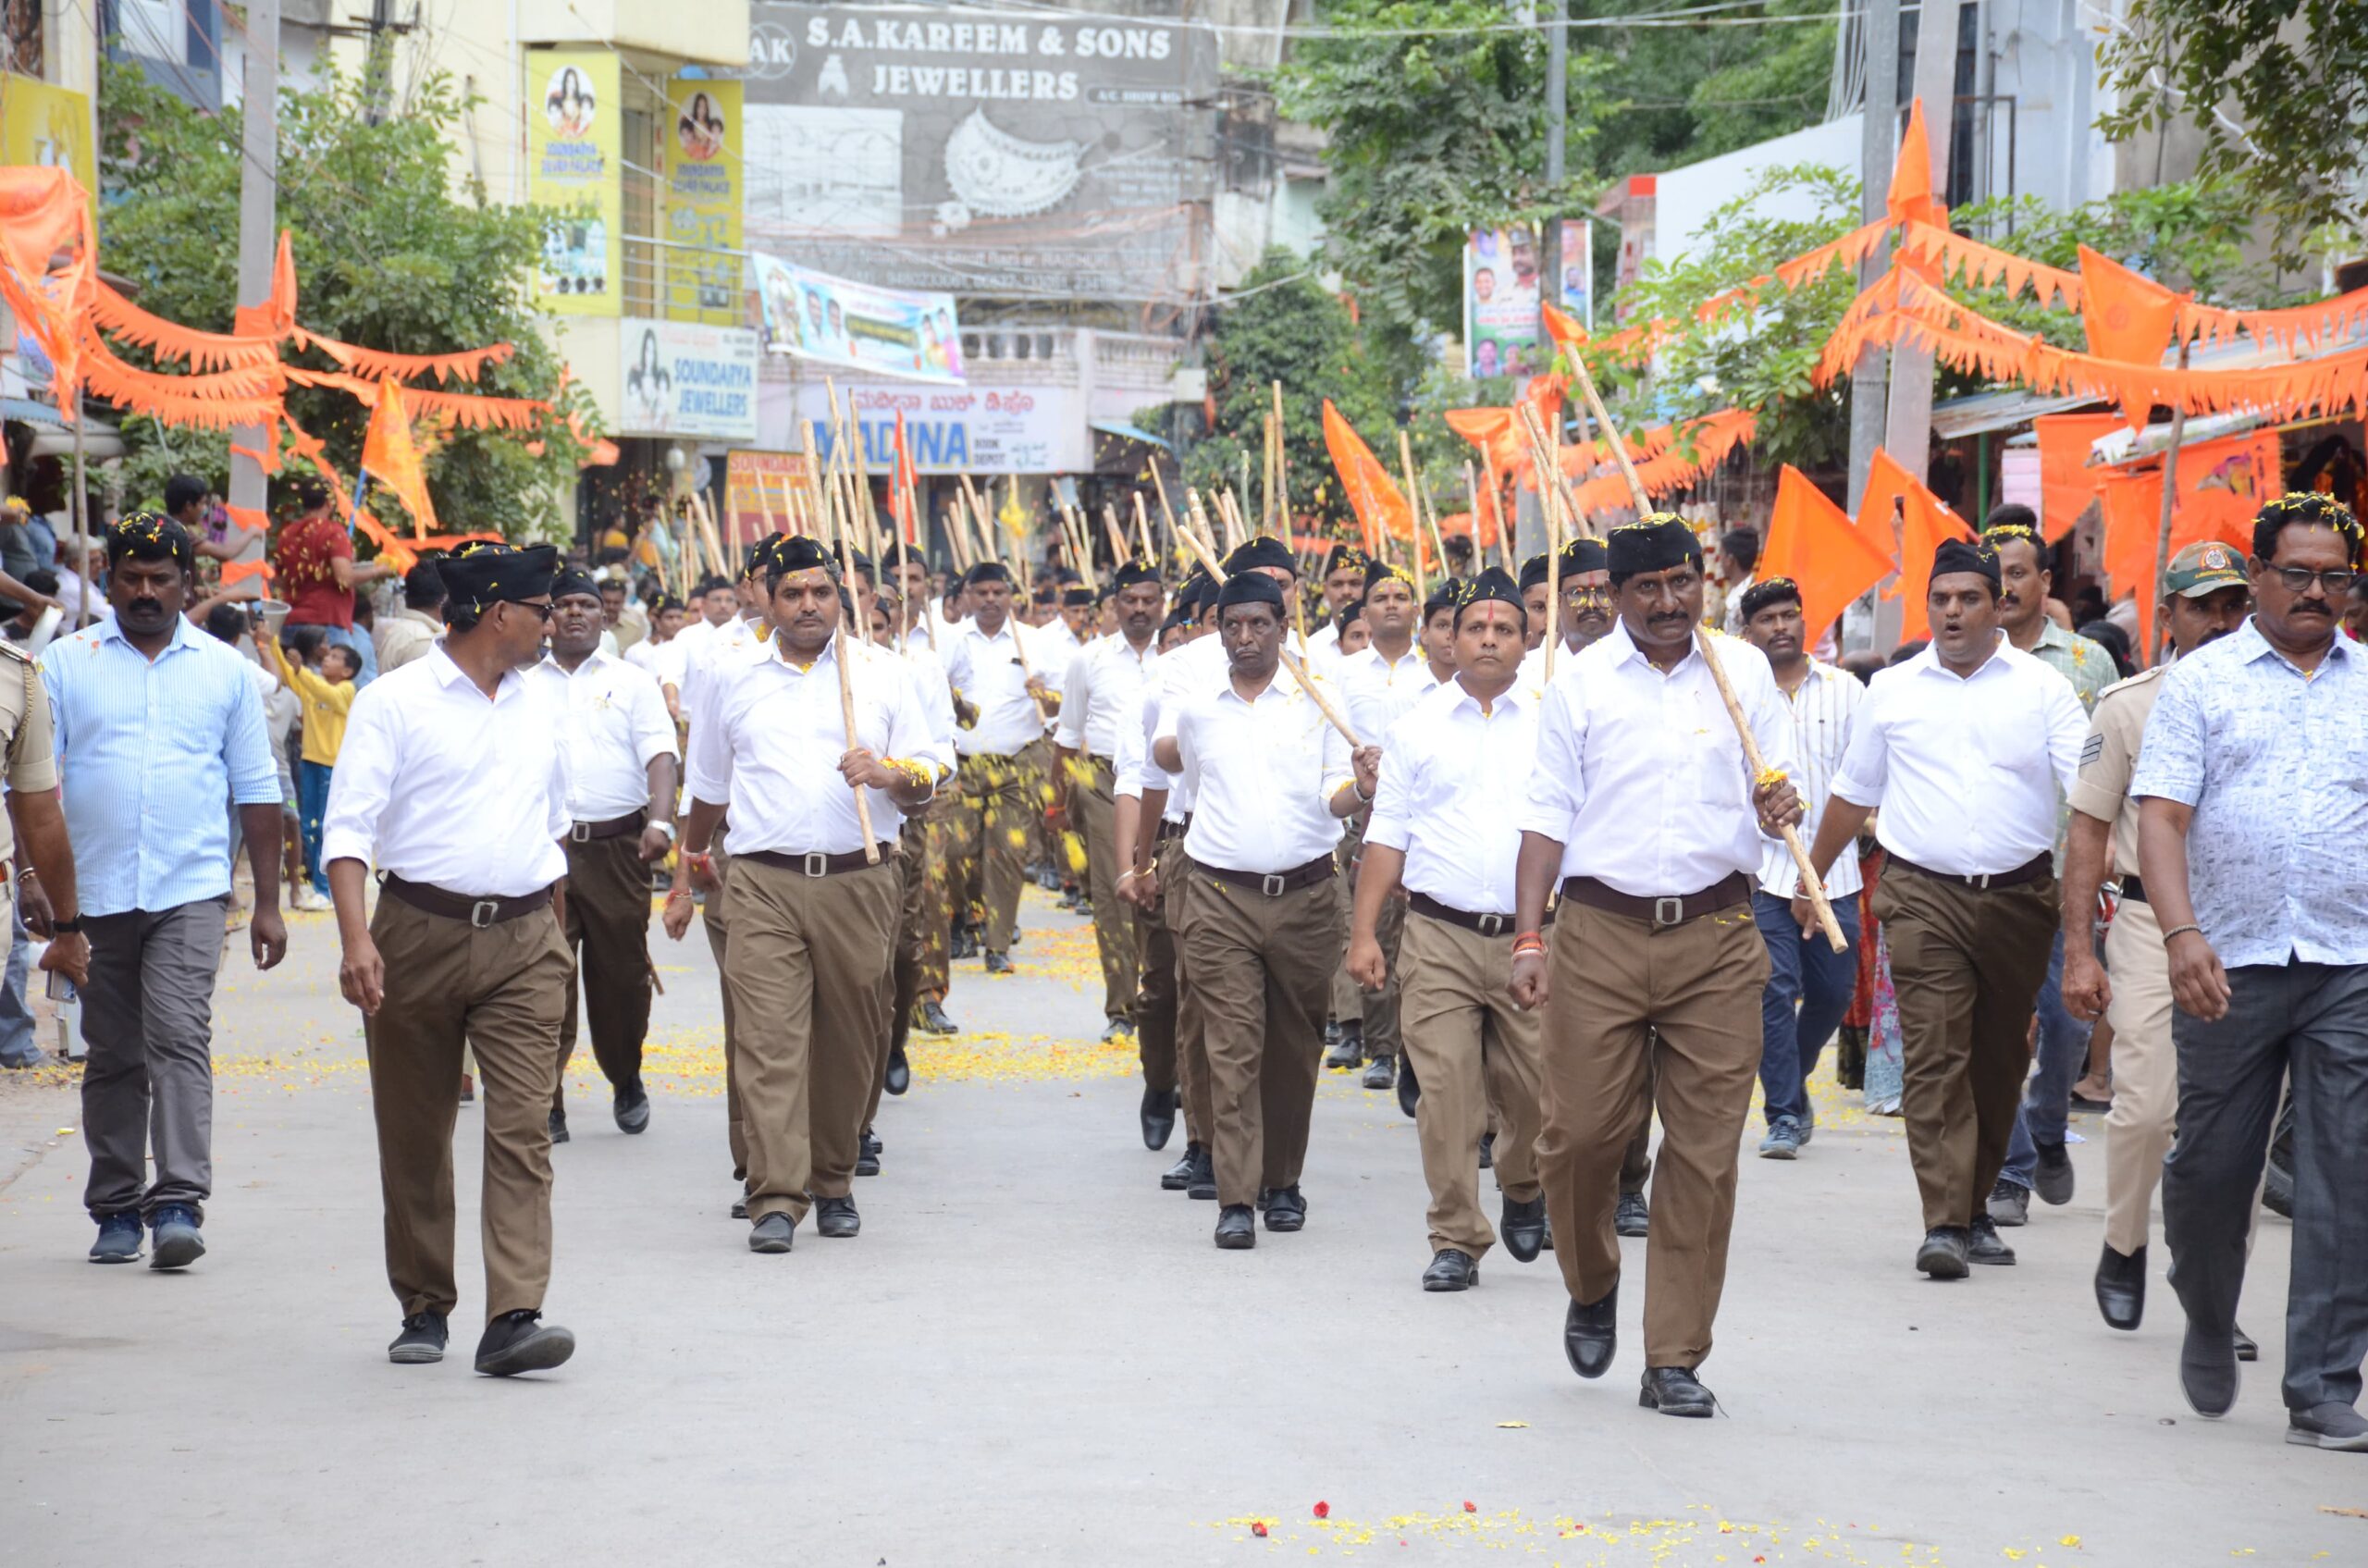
pixel 618 743
pixel 1643 808
pixel 1270 777
pixel 924 933
pixel 453 782
pixel 1586 604
pixel 991 662
pixel 1343 585
pixel 814 907
pixel 1964 748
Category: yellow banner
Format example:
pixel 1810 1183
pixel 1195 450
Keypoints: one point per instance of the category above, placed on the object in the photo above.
pixel 704 181
pixel 48 125
pixel 575 108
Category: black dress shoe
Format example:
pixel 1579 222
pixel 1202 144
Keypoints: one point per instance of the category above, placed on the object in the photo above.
pixel 520 1341
pixel 632 1106
pixel 774 1233
pixel 1286 1209
pixel 1203 1184
pixel 1523 1227
pixel 2121 1286
pixel 1633 1216
pixel 1237 1227
pixel 1674 1390
pixel 1408 1092
pixel 930 1018
pixel 1943 1255
pixel 1591 1333
pixel 1347 1050
pixel 559 1127
pixel 1451 1270
pixel 1177 1177
pixel 1487 1151
pixel 962 946
pixel 1984 1244
pixel 2053 1175
pixel 420 1341
pixel 1381 1073
pixel 2208 1372
pixel 867 1156
pixel 836 1217
pixel 2246 1349
pixel 900 1071
pixel 1158 1118
pixel 999 963
pixel 740 1208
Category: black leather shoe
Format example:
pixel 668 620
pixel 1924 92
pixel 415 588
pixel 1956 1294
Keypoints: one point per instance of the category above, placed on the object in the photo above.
pixel 632 1108
pixel 1381 1073
pixel 1348 1050
pixel 774 1233
pixel 1943 1255
pixel 1286 1209
pixel 559 1127
pixel 1633 1217
pixel 1487 1151
pixel 1523 1227
pixel 420 1341
pixel 1591 1333
pixel 1984 1244
pixel 866 1156
pixel 2121 1286
pixel 520 1341
pixel 2053 1175
pixel 2246 1349
pixel 999 963
pixel 930 1018
pixel 1408 1092
pixel 1203 1184
pixel 1451 1270
pixel 900 1071
pixel 963 945
pixel 1237 1227
pixel 2208 1372
pixel 1674 1390
pixel 1158 1118
pixel 740 1208
pixel 836 1217
pixel 1177 1177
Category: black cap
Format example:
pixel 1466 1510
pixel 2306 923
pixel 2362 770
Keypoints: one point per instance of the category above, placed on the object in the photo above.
pixel 1345 557
pixel 793 552
pixel 1444 594
pixel 1348 615
pixel 1250 588
pixel 1077 598
pixel 1532 571
pixel 1134 572
pixel 987 571
pixel 1263 550
pixel 1655 542
pixel 1955 555
pixel 1380 571
pixel 574 580
pixel 482 572
pixel 1585 555
pixel 1493 583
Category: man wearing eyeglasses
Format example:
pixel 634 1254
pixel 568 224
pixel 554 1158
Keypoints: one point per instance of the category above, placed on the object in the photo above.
pixel 451 780
pixel 2252 789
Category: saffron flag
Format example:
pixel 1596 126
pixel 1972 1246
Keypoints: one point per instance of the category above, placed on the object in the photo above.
pixel 1924 521
pixel 388 457
pixel 1372 494
pixel 2223 485
pixel 2129 317
pixel 2065 486
pixel 1813 542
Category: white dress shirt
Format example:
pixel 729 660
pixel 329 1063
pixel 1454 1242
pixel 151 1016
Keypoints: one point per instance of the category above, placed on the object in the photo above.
pixel 1262 772
pixel 1823 712
pixel 931 687
pixel 616 725
pixel 664 661
pixel 1106 683
pixel 1452 781
pixel 986 670
pixel 1195 667
pixel 770 744
pixel 1965 768
pixel 1640 775
pixel 439 786
pixel 740 640
pixel 1382 690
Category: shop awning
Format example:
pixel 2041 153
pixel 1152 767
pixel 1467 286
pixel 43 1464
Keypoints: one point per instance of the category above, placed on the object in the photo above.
pixel 1126 432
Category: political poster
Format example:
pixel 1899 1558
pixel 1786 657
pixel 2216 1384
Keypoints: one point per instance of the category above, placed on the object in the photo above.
pixel 1501 333
pixel 854 326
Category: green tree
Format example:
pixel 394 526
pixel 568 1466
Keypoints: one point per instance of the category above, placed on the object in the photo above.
pixel 1661 97
pixel 388 257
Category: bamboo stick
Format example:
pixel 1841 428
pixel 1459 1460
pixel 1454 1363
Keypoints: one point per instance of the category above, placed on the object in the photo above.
pixel 1299 672
pixel 1413 511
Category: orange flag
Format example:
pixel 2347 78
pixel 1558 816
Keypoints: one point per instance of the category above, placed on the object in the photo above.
pixel 1813 542
pixel 388 456
pixel 2065 485
pixel 2222 485
pixel 2129 317
pixel 1910 199
pixel 1927 522
pixel 1370 491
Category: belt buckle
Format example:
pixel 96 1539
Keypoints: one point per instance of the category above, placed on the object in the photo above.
pixel 1668 912
pixel 1491 925
pixel 483 912
pixel 1271 885
pixel 817 864
pixel 579 833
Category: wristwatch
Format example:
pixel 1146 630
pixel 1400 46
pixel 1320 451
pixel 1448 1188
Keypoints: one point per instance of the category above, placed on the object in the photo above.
pixel 68 928
pixel 665 827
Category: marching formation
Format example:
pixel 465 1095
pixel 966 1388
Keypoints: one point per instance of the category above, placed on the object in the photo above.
pixel 1541 854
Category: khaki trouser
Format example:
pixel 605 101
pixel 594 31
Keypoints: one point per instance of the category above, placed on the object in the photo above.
pixel 1348 1002
pixel 1187 1060
pixel 1093 809
pixel 805 965
pixel 1639 1018
pixel 990 836
pixel 607 920
pixel 503 989
pixel 2145 1073
pixel 1261 967
pixel 716 925
pixel 1472 1049
pixel 900 983
pixel 1966 964
pixel 1156 994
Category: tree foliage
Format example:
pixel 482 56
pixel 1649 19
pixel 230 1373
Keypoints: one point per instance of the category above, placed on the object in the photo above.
pixel 387 256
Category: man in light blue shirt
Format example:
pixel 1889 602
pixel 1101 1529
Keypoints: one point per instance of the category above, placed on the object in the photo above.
pixel 158 725
pixel 2252 831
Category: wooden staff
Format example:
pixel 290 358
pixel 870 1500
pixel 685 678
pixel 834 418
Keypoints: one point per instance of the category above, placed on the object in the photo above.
pixel 1200 547
pixel 1266 496
pixel 843 656
pixel 1282 471
pixel 1703 640
pixel 1118 551
pixel 1166 512
pixel 1142 531
pixel 1547 455
pixel 1414 511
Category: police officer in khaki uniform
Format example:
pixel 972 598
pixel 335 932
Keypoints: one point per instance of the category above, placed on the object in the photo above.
pixel 46 887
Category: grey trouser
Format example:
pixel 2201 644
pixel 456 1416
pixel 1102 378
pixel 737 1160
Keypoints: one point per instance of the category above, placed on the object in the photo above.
pixel 148 1018
pixel 2310 1020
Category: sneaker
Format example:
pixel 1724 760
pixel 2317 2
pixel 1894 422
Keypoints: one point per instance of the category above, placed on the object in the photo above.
pixel 1119 1030
pixel 2053 1175
pixel 1783 1139
pixel 309 902
pixel 120 1237
pixel 2010 1204
pixel 422 1340
pixel 177 1244
pixel 2335 1426
pixel 520 1341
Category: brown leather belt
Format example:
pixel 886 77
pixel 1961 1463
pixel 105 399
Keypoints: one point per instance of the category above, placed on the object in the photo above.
pixel 615 827
pixel 2037 866
pixel 1274 884
pixel 1660 913
pixel 1487 925
pixel 478 912
pixel 815 865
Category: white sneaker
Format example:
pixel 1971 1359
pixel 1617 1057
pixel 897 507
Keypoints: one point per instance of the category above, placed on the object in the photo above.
pixel 309 901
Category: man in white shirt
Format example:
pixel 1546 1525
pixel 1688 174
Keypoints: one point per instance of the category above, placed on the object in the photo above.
pixel 813 904
pixel 617 743
pixel 1964 748
pixel 993 666
pixel 1809 985
pixel 1739 553
pixel 1453 772
pixel 1270 779
pixel 1586 606
pixel 925 933
pixel 1103 690
pixel 1645 810
pixel 450 780
pixel 1344 585
pixel 660 653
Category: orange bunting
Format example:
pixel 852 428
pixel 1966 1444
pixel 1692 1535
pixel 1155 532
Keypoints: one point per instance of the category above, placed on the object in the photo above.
pixel 234 572
pixel 1696 447
pixel 1911 198
pixel 2129 318
pixel 171 341
pixel 1954 255
pixel 250 519
pixel 1847 251
pixel 379 365
pixel 1813 542
pixel 1927 522
pixel 388 457
pixel 1378 504
pixel 2208 509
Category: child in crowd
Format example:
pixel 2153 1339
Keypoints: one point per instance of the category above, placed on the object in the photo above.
pixel 321 675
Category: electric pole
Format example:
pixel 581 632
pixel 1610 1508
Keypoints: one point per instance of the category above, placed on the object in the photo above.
pixel 1558 108
pixel 1871 377
pixel 258 231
